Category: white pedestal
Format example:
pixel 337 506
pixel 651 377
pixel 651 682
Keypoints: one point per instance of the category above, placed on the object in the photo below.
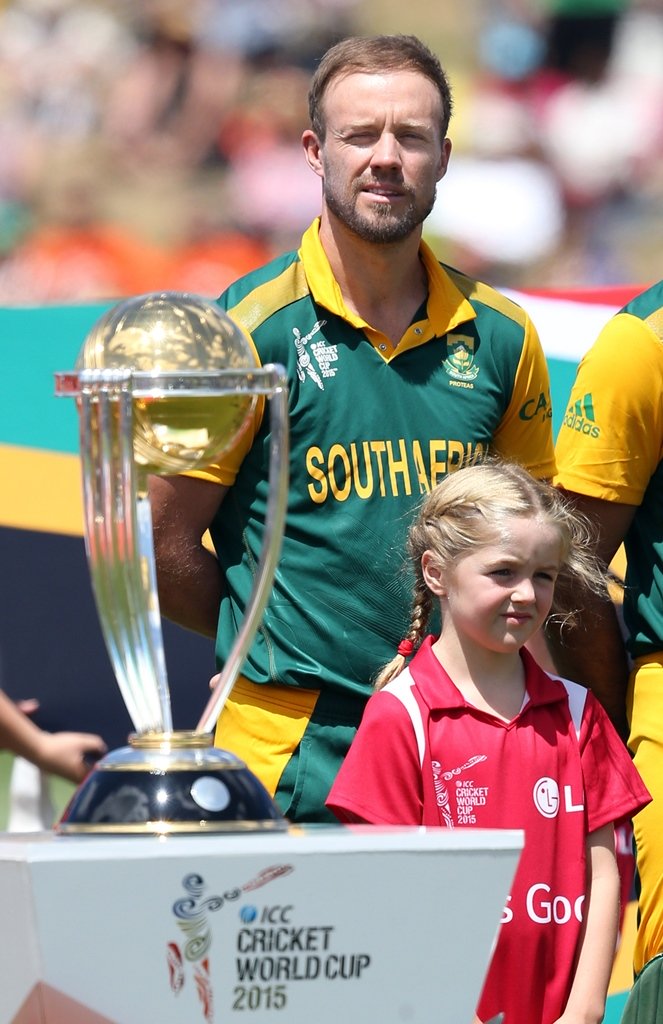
pixel 312 926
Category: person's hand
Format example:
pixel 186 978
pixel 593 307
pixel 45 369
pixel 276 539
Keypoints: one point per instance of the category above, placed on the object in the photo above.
pixel 28 706
pixel 68 754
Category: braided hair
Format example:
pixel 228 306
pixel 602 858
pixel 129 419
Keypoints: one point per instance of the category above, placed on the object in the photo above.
pixel 470 508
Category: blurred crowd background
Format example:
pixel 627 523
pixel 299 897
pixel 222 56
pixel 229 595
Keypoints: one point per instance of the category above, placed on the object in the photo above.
pixel 154 144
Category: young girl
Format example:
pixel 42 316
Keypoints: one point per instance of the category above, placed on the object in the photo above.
pixel 473 733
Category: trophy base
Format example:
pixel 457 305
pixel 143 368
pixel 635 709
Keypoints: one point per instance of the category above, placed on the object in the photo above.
pixel 170 783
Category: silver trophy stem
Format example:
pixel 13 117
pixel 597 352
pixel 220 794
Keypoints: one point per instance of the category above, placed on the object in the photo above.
pixel 119 543
pixel 271 547
pixel 166 383
pixel 118 524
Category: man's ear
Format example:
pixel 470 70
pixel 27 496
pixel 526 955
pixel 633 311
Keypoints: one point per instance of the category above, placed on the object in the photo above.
pixel 312 151
pixel 444 159
pixel 432 573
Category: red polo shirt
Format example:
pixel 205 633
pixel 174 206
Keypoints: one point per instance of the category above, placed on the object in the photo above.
pixel 423 755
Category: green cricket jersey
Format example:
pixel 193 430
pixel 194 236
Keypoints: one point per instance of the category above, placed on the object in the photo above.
pixel 372 429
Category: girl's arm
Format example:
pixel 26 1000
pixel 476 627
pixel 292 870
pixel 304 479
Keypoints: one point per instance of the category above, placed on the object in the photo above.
pixel 598 939
pixel 62 753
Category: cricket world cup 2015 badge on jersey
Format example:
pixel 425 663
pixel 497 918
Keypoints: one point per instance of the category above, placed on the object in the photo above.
pixel 459 363
pixel 324 355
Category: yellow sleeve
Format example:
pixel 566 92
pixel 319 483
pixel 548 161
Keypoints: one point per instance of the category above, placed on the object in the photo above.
pixel 225 469
pixel 611 439
pixel 525 433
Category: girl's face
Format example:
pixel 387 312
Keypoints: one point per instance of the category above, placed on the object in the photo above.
pixel 500 594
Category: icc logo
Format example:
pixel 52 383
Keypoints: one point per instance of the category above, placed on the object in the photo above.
pixel 276 915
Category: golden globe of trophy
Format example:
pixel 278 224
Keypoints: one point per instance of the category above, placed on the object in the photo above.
pixel 164 383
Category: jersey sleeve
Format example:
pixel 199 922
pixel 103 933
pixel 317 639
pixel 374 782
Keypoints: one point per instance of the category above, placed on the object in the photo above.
pixel 613 787
pixel 380 780
pixel 225 468
pixel 611 438
pixel 525 433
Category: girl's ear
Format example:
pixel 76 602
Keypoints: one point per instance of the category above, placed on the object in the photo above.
pixel 432 573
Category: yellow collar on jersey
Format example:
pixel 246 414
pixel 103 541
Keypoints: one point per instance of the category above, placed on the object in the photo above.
pixel 446 306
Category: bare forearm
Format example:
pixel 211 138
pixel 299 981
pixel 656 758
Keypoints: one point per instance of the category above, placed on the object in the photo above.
pixel 189 577
pixel 593 654
pixel 62 753
pixel 190 589
pixel 17 732
pixel 586 1001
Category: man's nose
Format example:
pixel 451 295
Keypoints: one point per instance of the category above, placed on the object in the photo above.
pixel 386 151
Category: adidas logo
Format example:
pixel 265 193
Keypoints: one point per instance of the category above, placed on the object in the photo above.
pixel 580 417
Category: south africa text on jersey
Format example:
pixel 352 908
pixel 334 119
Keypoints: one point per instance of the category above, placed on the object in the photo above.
pixel 384 468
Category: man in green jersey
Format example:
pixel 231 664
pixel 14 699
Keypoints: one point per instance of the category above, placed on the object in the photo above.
pixel 610 456
pixel 400 370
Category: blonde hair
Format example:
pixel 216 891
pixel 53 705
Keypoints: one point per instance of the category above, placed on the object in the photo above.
pixel 470 508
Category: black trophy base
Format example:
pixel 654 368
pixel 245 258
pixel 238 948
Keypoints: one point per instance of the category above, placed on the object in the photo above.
pixel 170 783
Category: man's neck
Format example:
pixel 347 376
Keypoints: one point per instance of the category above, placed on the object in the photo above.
pixel 383 284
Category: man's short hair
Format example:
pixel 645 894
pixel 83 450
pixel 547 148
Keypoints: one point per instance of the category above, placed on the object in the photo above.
pixel 375 55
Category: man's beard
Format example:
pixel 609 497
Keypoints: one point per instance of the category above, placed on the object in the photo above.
pixel 383 225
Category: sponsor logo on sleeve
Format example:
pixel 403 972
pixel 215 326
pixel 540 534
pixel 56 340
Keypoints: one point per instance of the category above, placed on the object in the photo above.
pixel 536 407
pixel 580 417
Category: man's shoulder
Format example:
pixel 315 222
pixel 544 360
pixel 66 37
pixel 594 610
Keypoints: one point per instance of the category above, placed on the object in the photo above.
pixel 261 293
pixel 648 307
pixel 630 336
pixel 485 299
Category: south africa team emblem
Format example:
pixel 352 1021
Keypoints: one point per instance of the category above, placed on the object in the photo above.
pixel 459 363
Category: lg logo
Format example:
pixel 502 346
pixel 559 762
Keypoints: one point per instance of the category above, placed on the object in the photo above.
pixel 547 798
